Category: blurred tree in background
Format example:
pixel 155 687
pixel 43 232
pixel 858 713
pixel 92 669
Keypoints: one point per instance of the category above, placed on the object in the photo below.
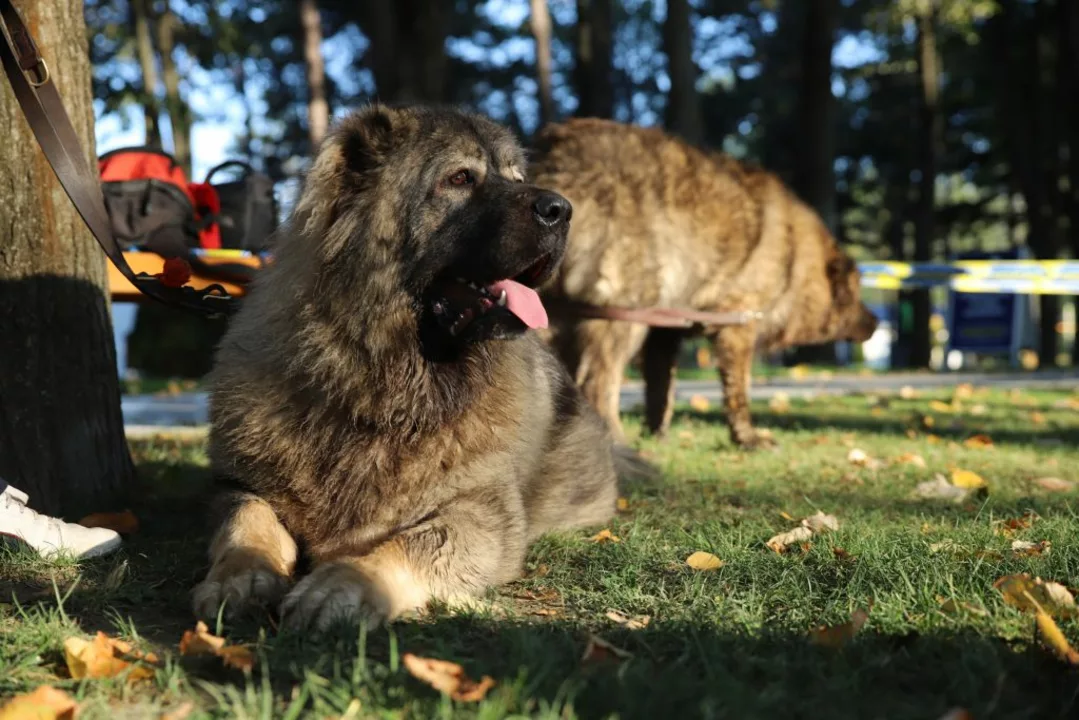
pixel 917 128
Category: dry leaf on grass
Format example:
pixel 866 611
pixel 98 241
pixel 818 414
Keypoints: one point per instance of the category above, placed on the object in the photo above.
pixel 201 641
pixel 941 406
pixel 816 523
pixel 911 459
pixel 940 489
pixel 1054 638
pixel 842 555
pixel 839 635
pixel 786 516
pixel 1054 484
pixel 124 522
pixel 1037 418
pixel 862 459
pixel 782 541
pixel 978 441
pixel 636 622
pixel 605 536
pixel 1025 548
pixel 699 403
pixel 907 392
pixel 967 479
pixel 1027 593
pixel 447 677
pixel 622 504
pixel 105 657
pixel 1011 526
pixel 701 560
pixel 599 650
pixel 44 703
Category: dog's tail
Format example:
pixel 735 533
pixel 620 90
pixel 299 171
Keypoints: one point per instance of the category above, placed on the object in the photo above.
pixel 629 466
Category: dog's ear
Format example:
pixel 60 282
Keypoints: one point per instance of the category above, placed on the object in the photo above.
pixel 372 135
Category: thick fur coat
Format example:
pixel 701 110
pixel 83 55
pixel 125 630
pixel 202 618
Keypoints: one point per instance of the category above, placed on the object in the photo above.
pixel 660 223
pixel 379 405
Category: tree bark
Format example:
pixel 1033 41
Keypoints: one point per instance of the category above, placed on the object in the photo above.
pixel 408 48
pixel 61 429
pixel 318 109
pixel 595 60
pixel 928 150
pixel 541 33
pixel 179 113
pixel 144 45
pixel 683 104
pixel 814 169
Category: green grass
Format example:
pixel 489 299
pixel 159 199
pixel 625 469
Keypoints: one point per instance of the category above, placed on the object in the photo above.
pixel 731 643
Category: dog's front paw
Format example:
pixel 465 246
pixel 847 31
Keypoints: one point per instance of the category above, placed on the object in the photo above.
pixel 337 591
pixel 240 585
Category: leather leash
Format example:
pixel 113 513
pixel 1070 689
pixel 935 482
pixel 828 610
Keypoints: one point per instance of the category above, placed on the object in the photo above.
pixel 656 316
pixel 32 84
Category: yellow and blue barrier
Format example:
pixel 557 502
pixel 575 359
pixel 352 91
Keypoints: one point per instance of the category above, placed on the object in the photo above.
pixel 1024 277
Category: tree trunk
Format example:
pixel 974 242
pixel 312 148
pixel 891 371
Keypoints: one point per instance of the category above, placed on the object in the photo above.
pixel 814 170
pixel 683 104
pixel 595 59
pixel 541 33
pixel 61 429
pixel 140 17
pixel 318 109
pixel 928 146
pixel 179 113
pixel 408 49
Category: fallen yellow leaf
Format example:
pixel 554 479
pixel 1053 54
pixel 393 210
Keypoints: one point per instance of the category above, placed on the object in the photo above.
pixel 967 479
pixel 637 622
pixel 699 403
pixel 103 657
pixel 124 522
pixel 44 703
pixel 622 504
pixel 978 441
pixel 1037 418
pixel 201 641
pixel 786 515
pixel 911 459
pixel 1027 593
pixel 839 635
pixel 964 390
pixel 447 677
pixel 798 372
pixel 605 536
pixel 939 406
pixel 1026 548
pixel 907 392
pixel 701 560
pixel 932 439
pixel 1054 638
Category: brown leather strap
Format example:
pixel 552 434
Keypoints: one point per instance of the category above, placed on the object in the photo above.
pixel 656 317
pixel 32 85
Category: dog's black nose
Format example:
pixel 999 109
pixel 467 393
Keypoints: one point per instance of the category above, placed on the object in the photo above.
pixel 551 209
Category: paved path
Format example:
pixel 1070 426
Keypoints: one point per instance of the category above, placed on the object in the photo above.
pixel 143 414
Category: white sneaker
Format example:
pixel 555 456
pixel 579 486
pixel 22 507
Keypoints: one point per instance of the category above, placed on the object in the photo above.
pixel 48 535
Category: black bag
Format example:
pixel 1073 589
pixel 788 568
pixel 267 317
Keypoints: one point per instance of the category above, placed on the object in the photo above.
pixel 248 215
pixel 147 203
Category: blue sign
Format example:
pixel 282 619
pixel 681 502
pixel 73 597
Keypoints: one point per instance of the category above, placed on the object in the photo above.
pixel 983 322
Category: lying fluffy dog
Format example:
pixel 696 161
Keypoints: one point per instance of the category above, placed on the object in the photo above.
pixel 379 403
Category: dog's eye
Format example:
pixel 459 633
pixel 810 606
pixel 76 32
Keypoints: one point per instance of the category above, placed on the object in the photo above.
pixel 462 177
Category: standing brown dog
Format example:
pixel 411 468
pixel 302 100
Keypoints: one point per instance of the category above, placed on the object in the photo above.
pixel 659 223
pixel 380 399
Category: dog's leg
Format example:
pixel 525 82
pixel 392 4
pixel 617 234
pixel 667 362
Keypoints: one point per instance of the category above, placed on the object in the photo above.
pixel 660 366
pixel 252 557
pixel 452 557
pixel 734 353
pixel 606 347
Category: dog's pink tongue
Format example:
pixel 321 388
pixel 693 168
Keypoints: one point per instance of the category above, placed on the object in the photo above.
pixel 522 301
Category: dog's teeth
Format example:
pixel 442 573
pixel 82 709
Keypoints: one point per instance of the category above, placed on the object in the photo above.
pixel 502 299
